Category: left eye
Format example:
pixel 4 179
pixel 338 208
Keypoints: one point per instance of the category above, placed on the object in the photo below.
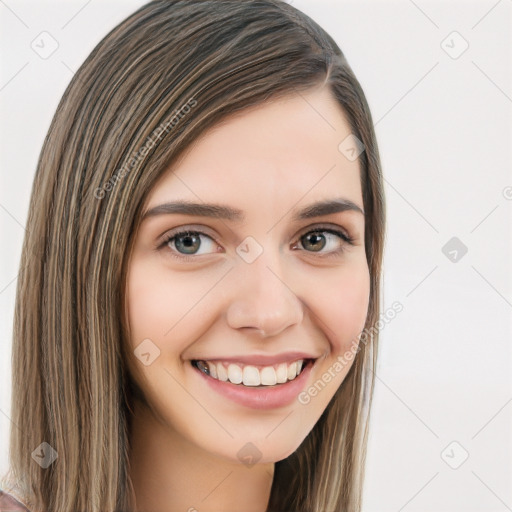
pixel 319 239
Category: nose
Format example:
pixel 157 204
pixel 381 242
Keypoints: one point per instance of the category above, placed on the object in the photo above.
pixel 262 300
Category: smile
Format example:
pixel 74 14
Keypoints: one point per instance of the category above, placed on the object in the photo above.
pixel 251 375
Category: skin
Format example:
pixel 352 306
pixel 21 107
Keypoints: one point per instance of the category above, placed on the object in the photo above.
pixel 268 161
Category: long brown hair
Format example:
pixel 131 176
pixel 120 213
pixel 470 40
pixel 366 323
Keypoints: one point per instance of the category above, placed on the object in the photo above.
pixel 147 91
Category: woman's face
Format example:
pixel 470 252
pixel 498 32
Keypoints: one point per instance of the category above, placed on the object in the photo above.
pixel 265 288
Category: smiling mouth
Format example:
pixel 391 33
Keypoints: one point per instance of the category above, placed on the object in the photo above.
pixel 253 376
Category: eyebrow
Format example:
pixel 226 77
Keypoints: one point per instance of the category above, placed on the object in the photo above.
pixel 218 211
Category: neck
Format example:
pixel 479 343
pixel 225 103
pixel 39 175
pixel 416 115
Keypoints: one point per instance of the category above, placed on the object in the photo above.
pixel 171 474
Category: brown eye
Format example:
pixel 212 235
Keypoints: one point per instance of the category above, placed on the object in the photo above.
pixel 314 241
pixel 317 240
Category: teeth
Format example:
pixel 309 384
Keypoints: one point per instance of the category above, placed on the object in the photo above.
pixel 222 374
pixel 268 376
pixel 250 375
pixel 235 374
pixel 282 373
pixel 292 371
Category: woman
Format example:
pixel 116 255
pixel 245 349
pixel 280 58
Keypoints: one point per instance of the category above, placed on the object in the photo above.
pixel 200 272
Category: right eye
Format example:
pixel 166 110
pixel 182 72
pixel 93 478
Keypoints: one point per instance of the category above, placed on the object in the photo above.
pixel 184 244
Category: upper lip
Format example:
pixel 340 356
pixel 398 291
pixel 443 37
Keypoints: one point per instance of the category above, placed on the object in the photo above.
pixel 261 359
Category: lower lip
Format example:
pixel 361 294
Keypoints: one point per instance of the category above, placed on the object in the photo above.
pixel 269 397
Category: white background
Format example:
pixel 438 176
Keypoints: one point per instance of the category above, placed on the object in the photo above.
pixel 444 130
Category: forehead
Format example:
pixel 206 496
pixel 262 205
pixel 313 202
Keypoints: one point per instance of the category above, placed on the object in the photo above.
pixel 271 156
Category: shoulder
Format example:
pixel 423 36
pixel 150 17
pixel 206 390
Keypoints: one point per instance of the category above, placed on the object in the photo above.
pixel 13 495
pixel 9 504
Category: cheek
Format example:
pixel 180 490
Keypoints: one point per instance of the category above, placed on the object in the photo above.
pixel 158 302
pixel 343 306
pixel 148 304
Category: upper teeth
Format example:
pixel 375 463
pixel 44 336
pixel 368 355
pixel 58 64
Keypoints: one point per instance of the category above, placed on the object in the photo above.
pixel 251 375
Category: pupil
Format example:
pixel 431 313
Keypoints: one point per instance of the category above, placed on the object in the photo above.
pixel 316 238
pixel 187 241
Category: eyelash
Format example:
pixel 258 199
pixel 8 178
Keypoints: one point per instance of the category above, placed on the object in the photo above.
pixel 317 229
